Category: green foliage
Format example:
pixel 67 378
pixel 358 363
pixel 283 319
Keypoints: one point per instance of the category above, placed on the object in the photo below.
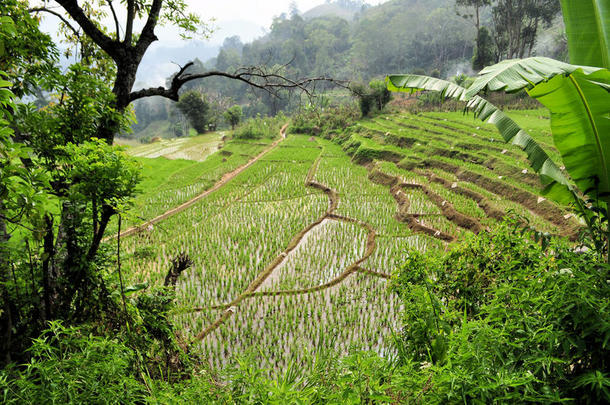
pixel 323 122
pixel 70 366
pixel 516 24
pixel 371 98
pixel 196 108
pixel 80 108
pixel 27 56
pixel 483 52
pixel 233 116
pixel 587 30
pixel 95 171
pixel 498 318
pixel 258 128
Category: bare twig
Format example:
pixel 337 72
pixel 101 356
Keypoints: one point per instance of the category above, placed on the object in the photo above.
pixel 116 20
pixel 56 14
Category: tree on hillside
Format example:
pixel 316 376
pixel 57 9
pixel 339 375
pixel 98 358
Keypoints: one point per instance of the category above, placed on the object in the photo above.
pixel 484 50
pixel 477 6
pixel 125 48
pixel 516 24
pixel 372 97
pixel 233 115
pixel 196 108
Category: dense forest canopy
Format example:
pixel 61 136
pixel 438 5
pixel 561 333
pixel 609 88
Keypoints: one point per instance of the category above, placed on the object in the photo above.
pixel 396 36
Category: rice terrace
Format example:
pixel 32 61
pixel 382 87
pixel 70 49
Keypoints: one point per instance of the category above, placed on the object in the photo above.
pixel 305 202
pixel 347 214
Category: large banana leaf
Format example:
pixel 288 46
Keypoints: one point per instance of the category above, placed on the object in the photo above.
pixel 557 184
pixel 517 74
pixel 588 29
pixel 579 102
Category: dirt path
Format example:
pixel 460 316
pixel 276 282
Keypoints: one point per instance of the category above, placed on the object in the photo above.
pixel 224 180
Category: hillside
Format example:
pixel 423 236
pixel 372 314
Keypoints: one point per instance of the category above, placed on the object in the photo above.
pixel 346 10
pixel 318 283
pixel 292 223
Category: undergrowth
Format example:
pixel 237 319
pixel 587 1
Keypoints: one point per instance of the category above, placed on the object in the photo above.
pixel 499 318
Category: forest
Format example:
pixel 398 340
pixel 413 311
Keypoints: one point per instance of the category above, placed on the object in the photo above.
pixel 402 203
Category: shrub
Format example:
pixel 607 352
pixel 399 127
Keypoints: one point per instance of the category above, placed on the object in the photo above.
pixel 69 366
pixel 258 128
pixel 323 122
pixel 373 97
pixel 501 319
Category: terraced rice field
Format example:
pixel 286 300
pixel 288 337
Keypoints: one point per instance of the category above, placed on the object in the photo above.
pixel 196 148
pixel 292 254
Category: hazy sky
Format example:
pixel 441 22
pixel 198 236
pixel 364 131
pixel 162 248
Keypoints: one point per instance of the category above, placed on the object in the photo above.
pixel 246 17
pixel 260 12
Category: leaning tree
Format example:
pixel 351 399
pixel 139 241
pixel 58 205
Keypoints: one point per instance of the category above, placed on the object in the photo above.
pixel 126 48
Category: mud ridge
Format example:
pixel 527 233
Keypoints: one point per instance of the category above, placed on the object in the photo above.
pixel 482 201
pixel 543 208
pixel 449 212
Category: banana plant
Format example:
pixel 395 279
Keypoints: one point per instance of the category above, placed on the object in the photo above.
pixel 558 186
pixel 578 98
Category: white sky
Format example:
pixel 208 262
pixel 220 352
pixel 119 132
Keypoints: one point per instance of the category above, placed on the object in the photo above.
pixel 239 17
pixel 260 12
pixel 246 18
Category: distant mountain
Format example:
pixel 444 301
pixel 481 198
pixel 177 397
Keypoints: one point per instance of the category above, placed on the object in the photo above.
pixel 345 9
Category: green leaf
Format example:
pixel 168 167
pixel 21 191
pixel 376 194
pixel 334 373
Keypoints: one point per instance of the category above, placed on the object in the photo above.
pixel 579 102
pixel 579 107
pixel 557 184
pixel 517 74
pixel 588 30
pixel 413 83
pixel 135 287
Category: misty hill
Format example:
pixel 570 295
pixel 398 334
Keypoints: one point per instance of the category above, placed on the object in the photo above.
pixel 345 9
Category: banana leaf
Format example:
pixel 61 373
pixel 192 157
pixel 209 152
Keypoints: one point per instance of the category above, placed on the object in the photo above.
pixel 557 185
pixel 579 102
pixel 588 30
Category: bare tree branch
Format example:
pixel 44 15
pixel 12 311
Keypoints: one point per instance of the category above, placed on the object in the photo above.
pixel 270 81
pixel 116 20
pixel 56 14
pixel 108 45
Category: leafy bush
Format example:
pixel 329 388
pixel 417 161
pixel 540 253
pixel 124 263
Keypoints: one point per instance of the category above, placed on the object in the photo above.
pixel 500 319
pixel 233 115
pixel 323 122
pixel 69 366
pixel 258 128
pixel 372 97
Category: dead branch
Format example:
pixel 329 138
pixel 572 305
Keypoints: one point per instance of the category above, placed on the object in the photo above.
pixel 271 81
pixel 179 264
